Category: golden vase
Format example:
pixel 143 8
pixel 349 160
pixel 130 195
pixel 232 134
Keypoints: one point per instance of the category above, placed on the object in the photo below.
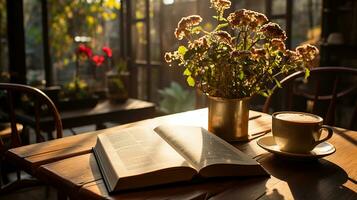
pixel 228 118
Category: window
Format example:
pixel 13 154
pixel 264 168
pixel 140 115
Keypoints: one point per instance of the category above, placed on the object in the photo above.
pixel 34 43
pixel 92 23
pixel 4 62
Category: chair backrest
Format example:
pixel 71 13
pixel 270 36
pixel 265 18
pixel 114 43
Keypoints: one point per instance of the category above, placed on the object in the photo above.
pixel 320 93
pixel 10 93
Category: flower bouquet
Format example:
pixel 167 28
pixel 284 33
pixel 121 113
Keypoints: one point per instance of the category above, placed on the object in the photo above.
pixel 241 57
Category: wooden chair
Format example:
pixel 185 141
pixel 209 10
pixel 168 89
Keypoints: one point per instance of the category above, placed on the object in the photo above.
pixel 322 93
pixel 11 95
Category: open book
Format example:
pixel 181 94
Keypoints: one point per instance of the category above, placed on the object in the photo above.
pixel 138 157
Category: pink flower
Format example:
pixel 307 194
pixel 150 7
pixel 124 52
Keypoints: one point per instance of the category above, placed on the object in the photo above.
pixel 98 60
pixel 83 49
pixel 108 51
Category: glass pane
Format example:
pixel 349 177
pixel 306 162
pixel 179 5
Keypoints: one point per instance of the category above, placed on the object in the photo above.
pixel 139 41
pixel 155 30
pixel 256 5
pixel 306 22
pixel 172 14
pixel 4 56
pixel 279 7
pixel 138 9
pixel 142 83
pixel 78 32
pixel 281 22
pixel 33 43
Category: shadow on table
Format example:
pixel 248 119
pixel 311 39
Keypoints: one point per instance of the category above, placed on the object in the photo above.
pixel 318 179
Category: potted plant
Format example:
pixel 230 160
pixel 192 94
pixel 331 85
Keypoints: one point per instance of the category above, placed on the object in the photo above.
pixel 83 93
pixel 240 58
pixel 118 82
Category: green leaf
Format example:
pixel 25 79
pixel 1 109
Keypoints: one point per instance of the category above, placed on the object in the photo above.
pixel 190 81
pixel 264 94
pixel 187 72
pixel 241 75
pixel 182 50
pixel 223 19
pixel 307 73
pixel 196 30
pixel 220 26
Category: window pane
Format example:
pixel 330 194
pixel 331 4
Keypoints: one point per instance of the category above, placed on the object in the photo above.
pixel 138 9
pixel 306 22
pixel 33 43
pixel 4 56
pixel 139 41
pixel 256 5
pixel 91 23
pixel 281 22
pixel 172 14
pixel 142 83
pixel 279 7
pixel 155 30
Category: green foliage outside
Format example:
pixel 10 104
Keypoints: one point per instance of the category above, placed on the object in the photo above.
pixel 176 99
pixel 70 18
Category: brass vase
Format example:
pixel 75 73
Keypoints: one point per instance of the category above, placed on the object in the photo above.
pixel 228 118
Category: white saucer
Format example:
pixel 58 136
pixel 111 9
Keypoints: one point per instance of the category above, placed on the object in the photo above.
pixel 321 150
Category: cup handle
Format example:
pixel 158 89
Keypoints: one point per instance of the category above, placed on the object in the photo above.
pixel 329 133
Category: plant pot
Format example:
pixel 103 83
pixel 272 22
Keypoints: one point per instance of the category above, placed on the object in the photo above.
pixel 118 87
pixel 228 118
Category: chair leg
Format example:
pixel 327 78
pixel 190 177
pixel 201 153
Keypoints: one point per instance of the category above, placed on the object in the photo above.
pixel 4 179
pixel 25 135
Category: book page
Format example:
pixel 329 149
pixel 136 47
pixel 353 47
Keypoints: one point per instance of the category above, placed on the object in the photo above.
pixel 202 148
pixel 139 150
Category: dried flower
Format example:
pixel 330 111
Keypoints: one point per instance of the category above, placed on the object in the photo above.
pixel 307 52
pixel 220 5
pixel 261 18
pixel 241 54
pixel 185 24
pixel 278 44
pixel 199 43
pixel 223 36
pixel 241 65
pixel 239 18
pixel 272 30
pixel 245 17
pixel 168 57
pixel 258 53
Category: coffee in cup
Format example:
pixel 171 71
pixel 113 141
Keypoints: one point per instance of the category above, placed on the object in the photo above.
pixel 298 132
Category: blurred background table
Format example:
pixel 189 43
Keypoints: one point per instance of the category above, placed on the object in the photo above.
pixel 105 111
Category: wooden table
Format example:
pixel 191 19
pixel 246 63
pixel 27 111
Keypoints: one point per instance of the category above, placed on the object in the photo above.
pixel 105 111
pixel 69 165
